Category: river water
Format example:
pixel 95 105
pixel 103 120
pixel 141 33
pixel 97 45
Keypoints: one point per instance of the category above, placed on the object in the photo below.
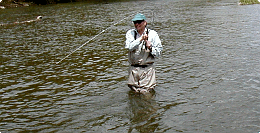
pixel 208 78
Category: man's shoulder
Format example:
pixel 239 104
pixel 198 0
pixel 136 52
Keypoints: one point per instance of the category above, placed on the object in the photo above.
pixel 131 30
pixel 152 31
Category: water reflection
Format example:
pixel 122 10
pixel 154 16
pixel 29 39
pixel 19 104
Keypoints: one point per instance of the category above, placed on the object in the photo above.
pixel 143 112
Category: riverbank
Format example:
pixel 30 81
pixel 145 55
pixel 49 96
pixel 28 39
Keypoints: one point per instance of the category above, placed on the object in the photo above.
pixel 23 3
pixel 248 2
pixel 13 4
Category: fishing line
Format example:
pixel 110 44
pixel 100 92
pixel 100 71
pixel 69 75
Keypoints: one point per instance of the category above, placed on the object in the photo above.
pixel 93 38
pixel 152 17
pixel 98 35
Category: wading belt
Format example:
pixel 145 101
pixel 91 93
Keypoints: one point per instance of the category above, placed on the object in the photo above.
pixel 136 65
pixel 143 66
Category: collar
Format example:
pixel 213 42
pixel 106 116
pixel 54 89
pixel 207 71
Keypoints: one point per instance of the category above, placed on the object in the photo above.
pixel 142 33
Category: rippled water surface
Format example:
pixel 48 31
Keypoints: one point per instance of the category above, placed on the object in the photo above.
pixel 208 76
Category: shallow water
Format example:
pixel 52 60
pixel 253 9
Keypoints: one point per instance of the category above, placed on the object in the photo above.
pixel 208 76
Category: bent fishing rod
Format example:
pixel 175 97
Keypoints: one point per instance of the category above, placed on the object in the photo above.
pixel 92 39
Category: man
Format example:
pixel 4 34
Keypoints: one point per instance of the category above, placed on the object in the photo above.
pixel 143 45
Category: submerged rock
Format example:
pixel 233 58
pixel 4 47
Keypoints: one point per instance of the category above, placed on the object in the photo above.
pixel 39 18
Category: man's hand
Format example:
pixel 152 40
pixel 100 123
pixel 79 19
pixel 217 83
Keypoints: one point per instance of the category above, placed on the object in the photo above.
pixel 144 38
pixel 148 44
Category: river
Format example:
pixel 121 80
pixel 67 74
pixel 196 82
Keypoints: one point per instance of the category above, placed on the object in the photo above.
pixel 208 77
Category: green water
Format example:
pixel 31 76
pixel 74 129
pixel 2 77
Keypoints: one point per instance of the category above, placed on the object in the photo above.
pixel 207 78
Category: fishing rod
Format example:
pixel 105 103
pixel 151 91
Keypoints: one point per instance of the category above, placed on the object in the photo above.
pixel 97 36
pixel 92 39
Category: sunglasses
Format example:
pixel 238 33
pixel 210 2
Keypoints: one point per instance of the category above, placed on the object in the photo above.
pixel 138 21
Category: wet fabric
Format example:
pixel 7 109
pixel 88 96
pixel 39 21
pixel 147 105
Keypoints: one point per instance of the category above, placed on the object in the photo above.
pixel 141 77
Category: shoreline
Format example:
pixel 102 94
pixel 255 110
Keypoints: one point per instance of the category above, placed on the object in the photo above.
pixel 14 4
pixel 5 4
pixel 25 3
pixel 248 2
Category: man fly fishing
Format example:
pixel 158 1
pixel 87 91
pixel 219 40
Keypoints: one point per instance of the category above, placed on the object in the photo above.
pixel 143 45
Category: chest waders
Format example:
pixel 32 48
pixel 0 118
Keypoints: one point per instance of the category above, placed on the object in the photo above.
pixel 142 76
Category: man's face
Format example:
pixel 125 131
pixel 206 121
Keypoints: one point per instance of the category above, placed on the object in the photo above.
pixel 139 24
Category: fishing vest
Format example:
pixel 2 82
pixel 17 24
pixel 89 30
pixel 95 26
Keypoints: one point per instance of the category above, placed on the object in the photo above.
pixel 141 55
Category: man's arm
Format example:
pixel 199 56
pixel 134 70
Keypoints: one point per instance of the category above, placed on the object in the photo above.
pixel 131 43
pixel 156 45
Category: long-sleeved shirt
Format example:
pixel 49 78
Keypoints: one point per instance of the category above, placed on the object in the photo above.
pixel 138 55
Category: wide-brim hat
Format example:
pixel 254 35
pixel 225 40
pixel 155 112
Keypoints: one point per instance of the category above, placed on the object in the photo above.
pixel 139 16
